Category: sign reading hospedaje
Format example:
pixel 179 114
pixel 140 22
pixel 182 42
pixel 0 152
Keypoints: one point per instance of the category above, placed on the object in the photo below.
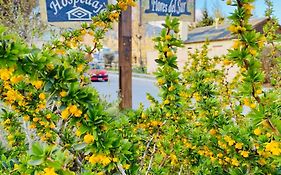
pixel 67 12
pixel 159 9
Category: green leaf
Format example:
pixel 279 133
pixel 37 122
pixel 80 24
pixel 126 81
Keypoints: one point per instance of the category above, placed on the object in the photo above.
pixel 79 146
pixel 36 162
pixel 54 164
pixel 37 149
pixel 159 61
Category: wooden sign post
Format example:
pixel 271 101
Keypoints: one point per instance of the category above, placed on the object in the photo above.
pixel 125 58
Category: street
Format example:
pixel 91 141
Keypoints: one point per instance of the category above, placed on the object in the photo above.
pixel 141 86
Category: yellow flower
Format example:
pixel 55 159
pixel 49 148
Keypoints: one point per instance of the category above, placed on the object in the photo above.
pixel 16 79
pixel 5 74
pixel 227 138
pixel 226 62
pixel 253 105
pixel 212 159
pixel 93 159
pixel 170 54
pixel 42 123
pixel 88 138
pixel 115 159
pixel 231 142
pixel 32 126
pixel 50 66
pixel 38 84
pixel 261 41
pixel 48 135
pixel 35 119
pixel 131 3
pixel 234 162
pixel 243 69
pixel 213 131
pixel 143 115
pixel 65 114
pixel 78 113
pixel 16 166
pixel 166 49
pixel 49 171
pixel 114 16
pixel 26 118
pixel 228 2
pixel 126 166
pixel 42 106
pixel 73 109
pixel 80 68
pixel 168 37
pixel 246 102
pixel 48 116
pixel 259 91
pixel 257 131
pixel 63 94
pixel 105 160
pixel 238 145
pixel 7 121
pixel 248 7
pixel 122 5
pixel 253 52
pixel 10 137
pixel 78 133
pixel 166 102
pixel 236 44
pixel 42 96
pixel 83 32
pixel 160 81
pixel 227 159
pixel 7 86
pixel 174 159
pixel 233 29
pixel 274 148
pixel 60 51
pixel 11 142
pixel 220 155
pixel 99 159
pixel 171 88
pixel 52 126
pixel 245 153
pixel 241 29
pixel 262 162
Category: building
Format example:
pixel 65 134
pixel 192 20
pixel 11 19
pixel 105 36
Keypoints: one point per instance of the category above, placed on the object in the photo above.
pixel 220 40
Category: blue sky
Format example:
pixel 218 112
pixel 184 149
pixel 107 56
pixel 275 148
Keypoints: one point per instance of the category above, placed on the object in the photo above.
pixel 258 12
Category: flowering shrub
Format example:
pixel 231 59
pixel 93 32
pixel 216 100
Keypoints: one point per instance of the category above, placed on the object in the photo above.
pixel 207 123
pixel 53 123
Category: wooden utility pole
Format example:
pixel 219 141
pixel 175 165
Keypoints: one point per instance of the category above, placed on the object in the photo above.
pixel 125 58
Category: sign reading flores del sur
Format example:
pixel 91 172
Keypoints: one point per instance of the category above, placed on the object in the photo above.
pixel 159 9
pixel 71 10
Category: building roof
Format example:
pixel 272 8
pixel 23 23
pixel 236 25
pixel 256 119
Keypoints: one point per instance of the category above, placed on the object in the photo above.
pixel 213 33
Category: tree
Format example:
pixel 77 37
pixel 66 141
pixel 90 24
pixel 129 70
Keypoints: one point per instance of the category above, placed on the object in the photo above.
pixel 217 12
pixel 271 57
pixel 206 20
pixel 21 17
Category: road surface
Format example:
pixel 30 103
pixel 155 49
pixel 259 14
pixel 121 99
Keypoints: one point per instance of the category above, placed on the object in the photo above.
pixel 141 86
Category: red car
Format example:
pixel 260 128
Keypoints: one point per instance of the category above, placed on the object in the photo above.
pixel 98 73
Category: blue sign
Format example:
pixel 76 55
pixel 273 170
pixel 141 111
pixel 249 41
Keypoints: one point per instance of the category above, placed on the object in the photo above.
pixel 74 10
pixel 168 7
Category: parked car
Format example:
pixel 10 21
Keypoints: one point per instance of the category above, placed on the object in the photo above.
pixel 98 73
